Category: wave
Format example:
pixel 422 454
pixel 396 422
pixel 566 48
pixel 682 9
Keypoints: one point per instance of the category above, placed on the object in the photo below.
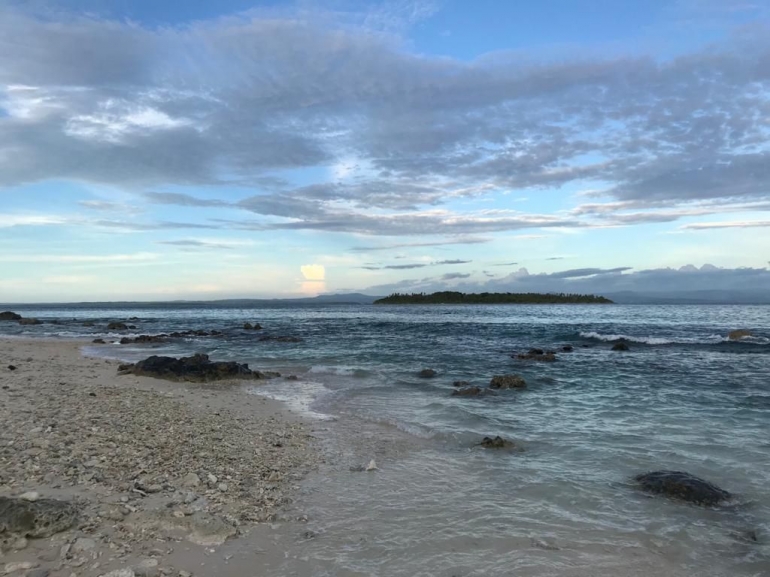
pixel 340 370
pixel 652 340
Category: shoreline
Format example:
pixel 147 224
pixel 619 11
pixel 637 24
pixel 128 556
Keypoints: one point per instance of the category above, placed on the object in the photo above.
pixel 166 474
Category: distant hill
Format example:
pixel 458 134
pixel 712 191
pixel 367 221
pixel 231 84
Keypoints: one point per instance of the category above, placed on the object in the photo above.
pixel 452 297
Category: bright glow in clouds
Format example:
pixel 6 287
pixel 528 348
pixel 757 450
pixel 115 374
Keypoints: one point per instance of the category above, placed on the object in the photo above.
pixel 315 278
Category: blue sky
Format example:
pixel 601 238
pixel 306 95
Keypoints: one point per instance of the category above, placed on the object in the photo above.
pixel 159 150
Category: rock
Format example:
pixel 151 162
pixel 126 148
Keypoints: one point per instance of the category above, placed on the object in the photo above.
pixel 537 355
pixel 183 573
pixel 117 327
pixel 684 486
pixel 11 367
pixel 212 479
pixel 739 334
pixel 372 466
pixel 467 392
pixel 427 374
pixel 621 346
pixel 98 342
pixel 19 566
pixel 197 368
pixel 38 573
pixel 567 348
pixel 30 322
pixel 461 384
pixel 30 496
pixel 83 545
pixel 88 324
pixel 507 382
pixel 41 518
pixel 191 480
pixel 146 568
pixel 250 327
pixel 281 339
pixel 496 443
pixel 222 487
pixel 292 378
pixel 19 544
pixel 120 573
pixel 143 339
pixel 9 316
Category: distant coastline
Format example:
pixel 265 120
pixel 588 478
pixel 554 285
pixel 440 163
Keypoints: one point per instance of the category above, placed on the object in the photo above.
pixel 452 297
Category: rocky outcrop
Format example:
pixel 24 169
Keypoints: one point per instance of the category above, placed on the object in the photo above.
pixel 281 339
pixel 117 327
pixel 9 316
pixel 143 339
pixel 461 384
pixel 473 391
pixel 496 443
pixel 537 355
pixel 98 342
pixel 39 518
pixel 683 486
pixel 197 368
pixel 739 334
pixel 250 327
pixel 427 374
pixel 507 382
pixel 621 346
pixel 30 322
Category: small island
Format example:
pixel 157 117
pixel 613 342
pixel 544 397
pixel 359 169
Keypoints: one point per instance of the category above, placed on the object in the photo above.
pixel 458 298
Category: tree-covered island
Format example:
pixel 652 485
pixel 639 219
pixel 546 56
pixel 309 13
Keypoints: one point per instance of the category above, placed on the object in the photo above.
pixel 458 298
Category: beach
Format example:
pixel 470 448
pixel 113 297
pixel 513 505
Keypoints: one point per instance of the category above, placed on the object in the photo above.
pixel 166 475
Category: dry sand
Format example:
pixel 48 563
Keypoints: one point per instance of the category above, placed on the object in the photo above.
pixel 168 475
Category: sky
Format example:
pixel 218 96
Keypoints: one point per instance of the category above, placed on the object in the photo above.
pixel 204 150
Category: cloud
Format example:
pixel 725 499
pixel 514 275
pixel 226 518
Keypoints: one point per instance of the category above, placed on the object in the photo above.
pixel 585 272
pixel 80 258
pixel 728 224
pixel 205 244
pixel 452 261
pixel 454 275
pixel 414 265
pixel 235 100
pixel 313 272
pixel 449 241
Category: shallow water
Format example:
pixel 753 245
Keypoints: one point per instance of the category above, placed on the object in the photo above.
pixel 684 398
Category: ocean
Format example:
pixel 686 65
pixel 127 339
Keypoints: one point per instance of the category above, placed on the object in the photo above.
pixel 684 397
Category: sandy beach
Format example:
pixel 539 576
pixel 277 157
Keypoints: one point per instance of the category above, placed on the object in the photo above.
pixel 165 476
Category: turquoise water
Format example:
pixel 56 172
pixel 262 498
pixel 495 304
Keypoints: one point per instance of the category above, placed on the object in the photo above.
pixel 684 397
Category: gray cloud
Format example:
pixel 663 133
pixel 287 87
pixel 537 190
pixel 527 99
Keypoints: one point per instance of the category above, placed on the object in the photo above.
pixel 414 265
pixel 454 275
pixel 453 261
pixel 449 241
pixel 117 103
pixel 733 224
pixel 196 244
pixel 585 272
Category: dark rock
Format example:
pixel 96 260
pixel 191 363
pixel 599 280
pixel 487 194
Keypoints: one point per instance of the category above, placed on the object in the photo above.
pixel 11 368
pixel 567 348
pixel 427 374
pixel 197 368
pixel 739 334
pixel 461 384
pixel 281 339
pixel 132 327
pixel 292 378
pixel 30 322
pixel 496 443
pixel 537 355
pixel 41 518
pixel 621 346
pixel 143 339
pixel 684 486
pixel 98 342
pixel 92 394
pixel 133 318
pixel 117 327
pixel 9 316
pixel 473 391
pixel 250 327
pixel 507 382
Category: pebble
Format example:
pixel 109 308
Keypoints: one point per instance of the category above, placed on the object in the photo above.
pixel 18 566
pixel 38 573
pixel 30 496
pixel 83 544
pixel 372 466
pixel 191 480
pixel 120 573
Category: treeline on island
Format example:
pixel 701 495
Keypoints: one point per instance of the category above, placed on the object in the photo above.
pixel 453 297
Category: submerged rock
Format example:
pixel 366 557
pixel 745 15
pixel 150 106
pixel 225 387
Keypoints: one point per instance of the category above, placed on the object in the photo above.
pixel 141 339
pixel 507 382
pixel 427 374
pixel 621 346
pixel 473 391
pixel 461 384
pixel 537 355
pixel 98 342
pixel 197 368
pixel 40 518
pixel 567 348
pixel 281 339
pixel 684 486
pixel 739 334
pixel 496 443
pixel 30 322
pixel 9 316
pixel 250 327
pixel 117 327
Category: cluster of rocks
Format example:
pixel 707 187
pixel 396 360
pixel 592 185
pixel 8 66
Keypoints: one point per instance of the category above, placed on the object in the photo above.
pixel 683 486
pixel 197 368
pixel 536 355
pixel 497 383
pixel 250 327
pixel 137 467
pixel 12 316
pixel 166 337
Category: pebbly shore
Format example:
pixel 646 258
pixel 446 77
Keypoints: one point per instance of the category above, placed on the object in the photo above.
pixel 161 473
